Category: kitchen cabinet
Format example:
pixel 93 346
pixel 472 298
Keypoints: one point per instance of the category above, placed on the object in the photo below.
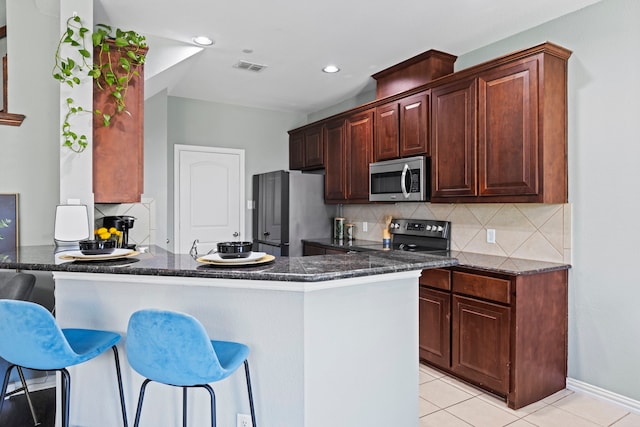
pixel 505 333
pixel 335 144
pixel 401 128
pixel 309 249
pixel 306 149
pixel 453 140
pixel 499 133
pixel 296 150
pixel 359 153
pixel 118 149
pixel 349 150
pixel 496 132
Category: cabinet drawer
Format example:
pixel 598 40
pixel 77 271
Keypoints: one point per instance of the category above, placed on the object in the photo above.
pixel 436 278
pixel 489 288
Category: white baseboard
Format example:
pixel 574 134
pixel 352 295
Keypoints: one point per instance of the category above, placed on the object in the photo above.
pixel 618 399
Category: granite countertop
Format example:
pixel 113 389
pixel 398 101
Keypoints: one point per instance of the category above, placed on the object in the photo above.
pixel 490 263
pixel 158 262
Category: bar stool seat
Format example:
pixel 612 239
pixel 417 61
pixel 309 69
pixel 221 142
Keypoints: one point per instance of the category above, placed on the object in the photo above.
pixel 174 349
pixel 30 338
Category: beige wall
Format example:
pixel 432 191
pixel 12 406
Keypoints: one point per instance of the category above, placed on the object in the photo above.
pixel 529 231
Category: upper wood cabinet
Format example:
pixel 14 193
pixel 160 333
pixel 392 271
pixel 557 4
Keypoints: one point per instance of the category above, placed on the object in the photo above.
pixel 118 149
pixel 306 149
pixel 387 133
pixel 296 150
pixel 496 132
pixel 359 144
pixel 348 146
pixel 508 130
pixel 335 146
pixel 453 139
pixel 499 134
pixel 401 128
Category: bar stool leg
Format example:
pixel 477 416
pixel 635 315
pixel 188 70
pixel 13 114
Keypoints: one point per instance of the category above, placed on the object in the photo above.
pixel 139 409
pixel 184 407
pixel 213 402
pixel 253 412
pixel 120 387
pixel 66 394
pixel 28 396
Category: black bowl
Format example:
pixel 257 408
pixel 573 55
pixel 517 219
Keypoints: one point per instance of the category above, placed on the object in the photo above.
pixel 228 250
pixel 97 247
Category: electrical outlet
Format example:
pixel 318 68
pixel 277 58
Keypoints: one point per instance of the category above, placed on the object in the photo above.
pixel 365 227
pixel 243 420
pixel 491 235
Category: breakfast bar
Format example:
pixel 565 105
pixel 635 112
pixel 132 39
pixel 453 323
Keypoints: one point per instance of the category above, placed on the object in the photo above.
pixel 330 336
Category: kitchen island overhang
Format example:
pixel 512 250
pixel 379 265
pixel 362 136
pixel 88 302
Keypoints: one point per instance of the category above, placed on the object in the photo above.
pixel 335 344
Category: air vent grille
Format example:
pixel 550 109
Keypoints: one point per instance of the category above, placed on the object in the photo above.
pixel 249 66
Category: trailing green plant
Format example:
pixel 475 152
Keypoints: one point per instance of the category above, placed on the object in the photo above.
pixel 108 75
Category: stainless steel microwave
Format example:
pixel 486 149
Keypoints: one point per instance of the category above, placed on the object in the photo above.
pixel 400 180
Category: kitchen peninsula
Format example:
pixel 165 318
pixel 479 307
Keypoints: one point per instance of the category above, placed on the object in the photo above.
pixel 333 339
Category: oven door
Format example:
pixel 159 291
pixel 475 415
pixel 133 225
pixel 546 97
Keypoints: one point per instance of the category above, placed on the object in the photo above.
pixel 400 180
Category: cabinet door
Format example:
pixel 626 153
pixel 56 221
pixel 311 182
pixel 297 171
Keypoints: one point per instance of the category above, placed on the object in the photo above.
pixel 386 144
pixel 453 139
pixel 480 342
pixel 359 134
pixel 313 148
pixel 414 125
pixel 508 129
pixel 310 250
pixel 335 150
pixel 118 149
pixel 434 326
pixel 296 151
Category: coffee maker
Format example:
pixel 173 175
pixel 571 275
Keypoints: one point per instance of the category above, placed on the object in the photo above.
pixel 122 223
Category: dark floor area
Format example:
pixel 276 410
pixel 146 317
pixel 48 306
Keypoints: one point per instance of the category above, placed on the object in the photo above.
pixel 15 411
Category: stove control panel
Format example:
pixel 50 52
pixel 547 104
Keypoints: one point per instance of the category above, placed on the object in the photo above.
pixel 420 227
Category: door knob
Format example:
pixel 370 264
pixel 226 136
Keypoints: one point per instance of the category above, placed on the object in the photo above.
pixel 236 234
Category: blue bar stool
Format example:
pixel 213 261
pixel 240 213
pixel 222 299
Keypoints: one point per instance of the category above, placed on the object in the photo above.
pixel 18 286
pixel 174 349
pixel 30 338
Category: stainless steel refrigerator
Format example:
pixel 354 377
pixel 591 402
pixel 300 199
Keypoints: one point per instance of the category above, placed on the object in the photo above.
pixel 289 207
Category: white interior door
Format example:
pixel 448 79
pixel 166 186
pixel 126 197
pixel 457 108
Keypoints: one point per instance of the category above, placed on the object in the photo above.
pixel 209 199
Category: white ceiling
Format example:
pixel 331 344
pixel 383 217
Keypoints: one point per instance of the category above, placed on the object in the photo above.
pixel 296 38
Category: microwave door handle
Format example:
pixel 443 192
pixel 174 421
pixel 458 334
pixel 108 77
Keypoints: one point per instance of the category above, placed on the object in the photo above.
pixel 403 180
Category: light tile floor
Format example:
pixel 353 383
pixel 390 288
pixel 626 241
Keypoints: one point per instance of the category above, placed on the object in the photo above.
pixel 447 402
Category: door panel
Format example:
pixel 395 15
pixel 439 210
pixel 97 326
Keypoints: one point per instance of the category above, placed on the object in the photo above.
pixel 209 196
pixel 480 342
pixel 434 326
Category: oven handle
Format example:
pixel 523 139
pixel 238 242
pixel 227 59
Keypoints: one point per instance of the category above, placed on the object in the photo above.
pixel 403 180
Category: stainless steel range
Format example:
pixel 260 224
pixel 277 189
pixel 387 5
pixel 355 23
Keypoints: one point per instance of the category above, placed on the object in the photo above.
pixel 421 235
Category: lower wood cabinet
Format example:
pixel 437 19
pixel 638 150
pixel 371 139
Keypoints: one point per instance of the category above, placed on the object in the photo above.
pixel 434 310
pixel 480 342
pixel 309 249
pixel 504 333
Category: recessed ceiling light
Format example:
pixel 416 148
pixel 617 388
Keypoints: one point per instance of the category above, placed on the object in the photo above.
pixel 331 69
pixel 202 41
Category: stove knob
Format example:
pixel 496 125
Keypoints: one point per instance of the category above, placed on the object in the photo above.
pixel 440 228
pixel 428 228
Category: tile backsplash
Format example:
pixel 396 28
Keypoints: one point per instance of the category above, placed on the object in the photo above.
pixel 529 231
pixel 144 228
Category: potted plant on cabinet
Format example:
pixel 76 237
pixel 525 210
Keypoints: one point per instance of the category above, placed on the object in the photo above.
pixel 118 119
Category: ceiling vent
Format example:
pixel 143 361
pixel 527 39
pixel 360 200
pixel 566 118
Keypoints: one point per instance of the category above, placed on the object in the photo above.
pixel 249 66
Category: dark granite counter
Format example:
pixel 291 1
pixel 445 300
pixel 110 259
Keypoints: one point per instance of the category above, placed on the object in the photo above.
pixel 158 262
pixel 490 263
